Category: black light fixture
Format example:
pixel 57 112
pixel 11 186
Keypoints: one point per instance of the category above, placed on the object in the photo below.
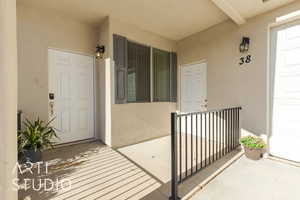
pixel 244 46
pixel 100 49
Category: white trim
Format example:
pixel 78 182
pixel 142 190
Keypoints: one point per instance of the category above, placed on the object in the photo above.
pixel 94 82
pixel 268 125
pixel 271 28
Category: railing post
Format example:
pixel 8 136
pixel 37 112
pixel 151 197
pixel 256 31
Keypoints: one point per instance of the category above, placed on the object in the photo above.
pixel 174 150
pixel 239 123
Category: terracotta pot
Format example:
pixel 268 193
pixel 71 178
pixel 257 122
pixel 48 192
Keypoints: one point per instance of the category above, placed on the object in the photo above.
pixel 254 154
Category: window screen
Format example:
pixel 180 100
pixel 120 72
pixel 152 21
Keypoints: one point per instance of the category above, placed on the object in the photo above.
pixel 138 73
pixel 161 75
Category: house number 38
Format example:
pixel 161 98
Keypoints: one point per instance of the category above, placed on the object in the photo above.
pixel 246 59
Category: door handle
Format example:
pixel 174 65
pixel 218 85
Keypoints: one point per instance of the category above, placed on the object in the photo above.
pixel 51 104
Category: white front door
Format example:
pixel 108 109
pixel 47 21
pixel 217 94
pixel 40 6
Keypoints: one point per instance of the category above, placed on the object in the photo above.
pixel 193 87
pixel 285 136
pixel 71 82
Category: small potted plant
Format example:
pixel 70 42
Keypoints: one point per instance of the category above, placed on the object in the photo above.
pixel 254 147
pixel 35 137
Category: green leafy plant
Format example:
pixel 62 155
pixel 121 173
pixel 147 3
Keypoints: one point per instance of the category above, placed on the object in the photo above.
pixel 253 142
pixel 36 136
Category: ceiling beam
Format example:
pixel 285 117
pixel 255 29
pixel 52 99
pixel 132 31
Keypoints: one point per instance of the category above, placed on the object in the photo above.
pixel 230 11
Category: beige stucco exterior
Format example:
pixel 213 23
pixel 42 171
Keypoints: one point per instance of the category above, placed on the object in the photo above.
pixel 136 122
pixel 8 100
pixel 228 83
pixel 39 30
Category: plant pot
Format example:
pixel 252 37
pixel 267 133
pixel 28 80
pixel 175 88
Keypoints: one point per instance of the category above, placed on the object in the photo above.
pixel 254 154
pixel 32 155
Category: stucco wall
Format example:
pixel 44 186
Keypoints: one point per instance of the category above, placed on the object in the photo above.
pixel 228 83
pixel 136 122
pixel 39 30
pixel 8 100
pixel 104 71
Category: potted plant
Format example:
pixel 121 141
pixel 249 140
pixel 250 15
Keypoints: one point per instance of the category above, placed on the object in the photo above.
pixel 35 137
pixel 254 147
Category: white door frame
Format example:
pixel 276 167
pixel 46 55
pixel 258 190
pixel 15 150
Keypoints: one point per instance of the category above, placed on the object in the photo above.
pixel 269 72
pixel 94 81
pixel 180 73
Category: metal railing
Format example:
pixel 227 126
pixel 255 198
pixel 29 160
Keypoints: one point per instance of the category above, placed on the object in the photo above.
pixel 199 139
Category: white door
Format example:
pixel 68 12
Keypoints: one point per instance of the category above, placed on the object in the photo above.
pixel 193 88
pixel 71 81
pixel 285 137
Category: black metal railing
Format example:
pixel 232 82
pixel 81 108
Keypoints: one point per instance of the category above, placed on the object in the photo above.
pixel 199 139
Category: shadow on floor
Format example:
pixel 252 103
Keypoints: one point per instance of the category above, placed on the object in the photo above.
pixel 163 192
pixel 85 171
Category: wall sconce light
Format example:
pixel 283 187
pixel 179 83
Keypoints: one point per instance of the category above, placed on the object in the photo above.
pixel 100 49
pixel 244 46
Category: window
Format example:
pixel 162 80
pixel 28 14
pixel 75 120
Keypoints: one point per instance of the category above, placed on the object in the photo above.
pixel 138 73
pixel 164 75
pixel 161 75
pixel 133 73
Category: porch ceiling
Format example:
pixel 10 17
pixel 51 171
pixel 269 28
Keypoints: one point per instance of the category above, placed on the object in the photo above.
pixel 251 8
pixel 173 19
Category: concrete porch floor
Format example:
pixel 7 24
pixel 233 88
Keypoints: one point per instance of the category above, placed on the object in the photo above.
pixel 260 180
pixel 243 179
pixel 95 171
pixel 154 156
pixel 99 172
